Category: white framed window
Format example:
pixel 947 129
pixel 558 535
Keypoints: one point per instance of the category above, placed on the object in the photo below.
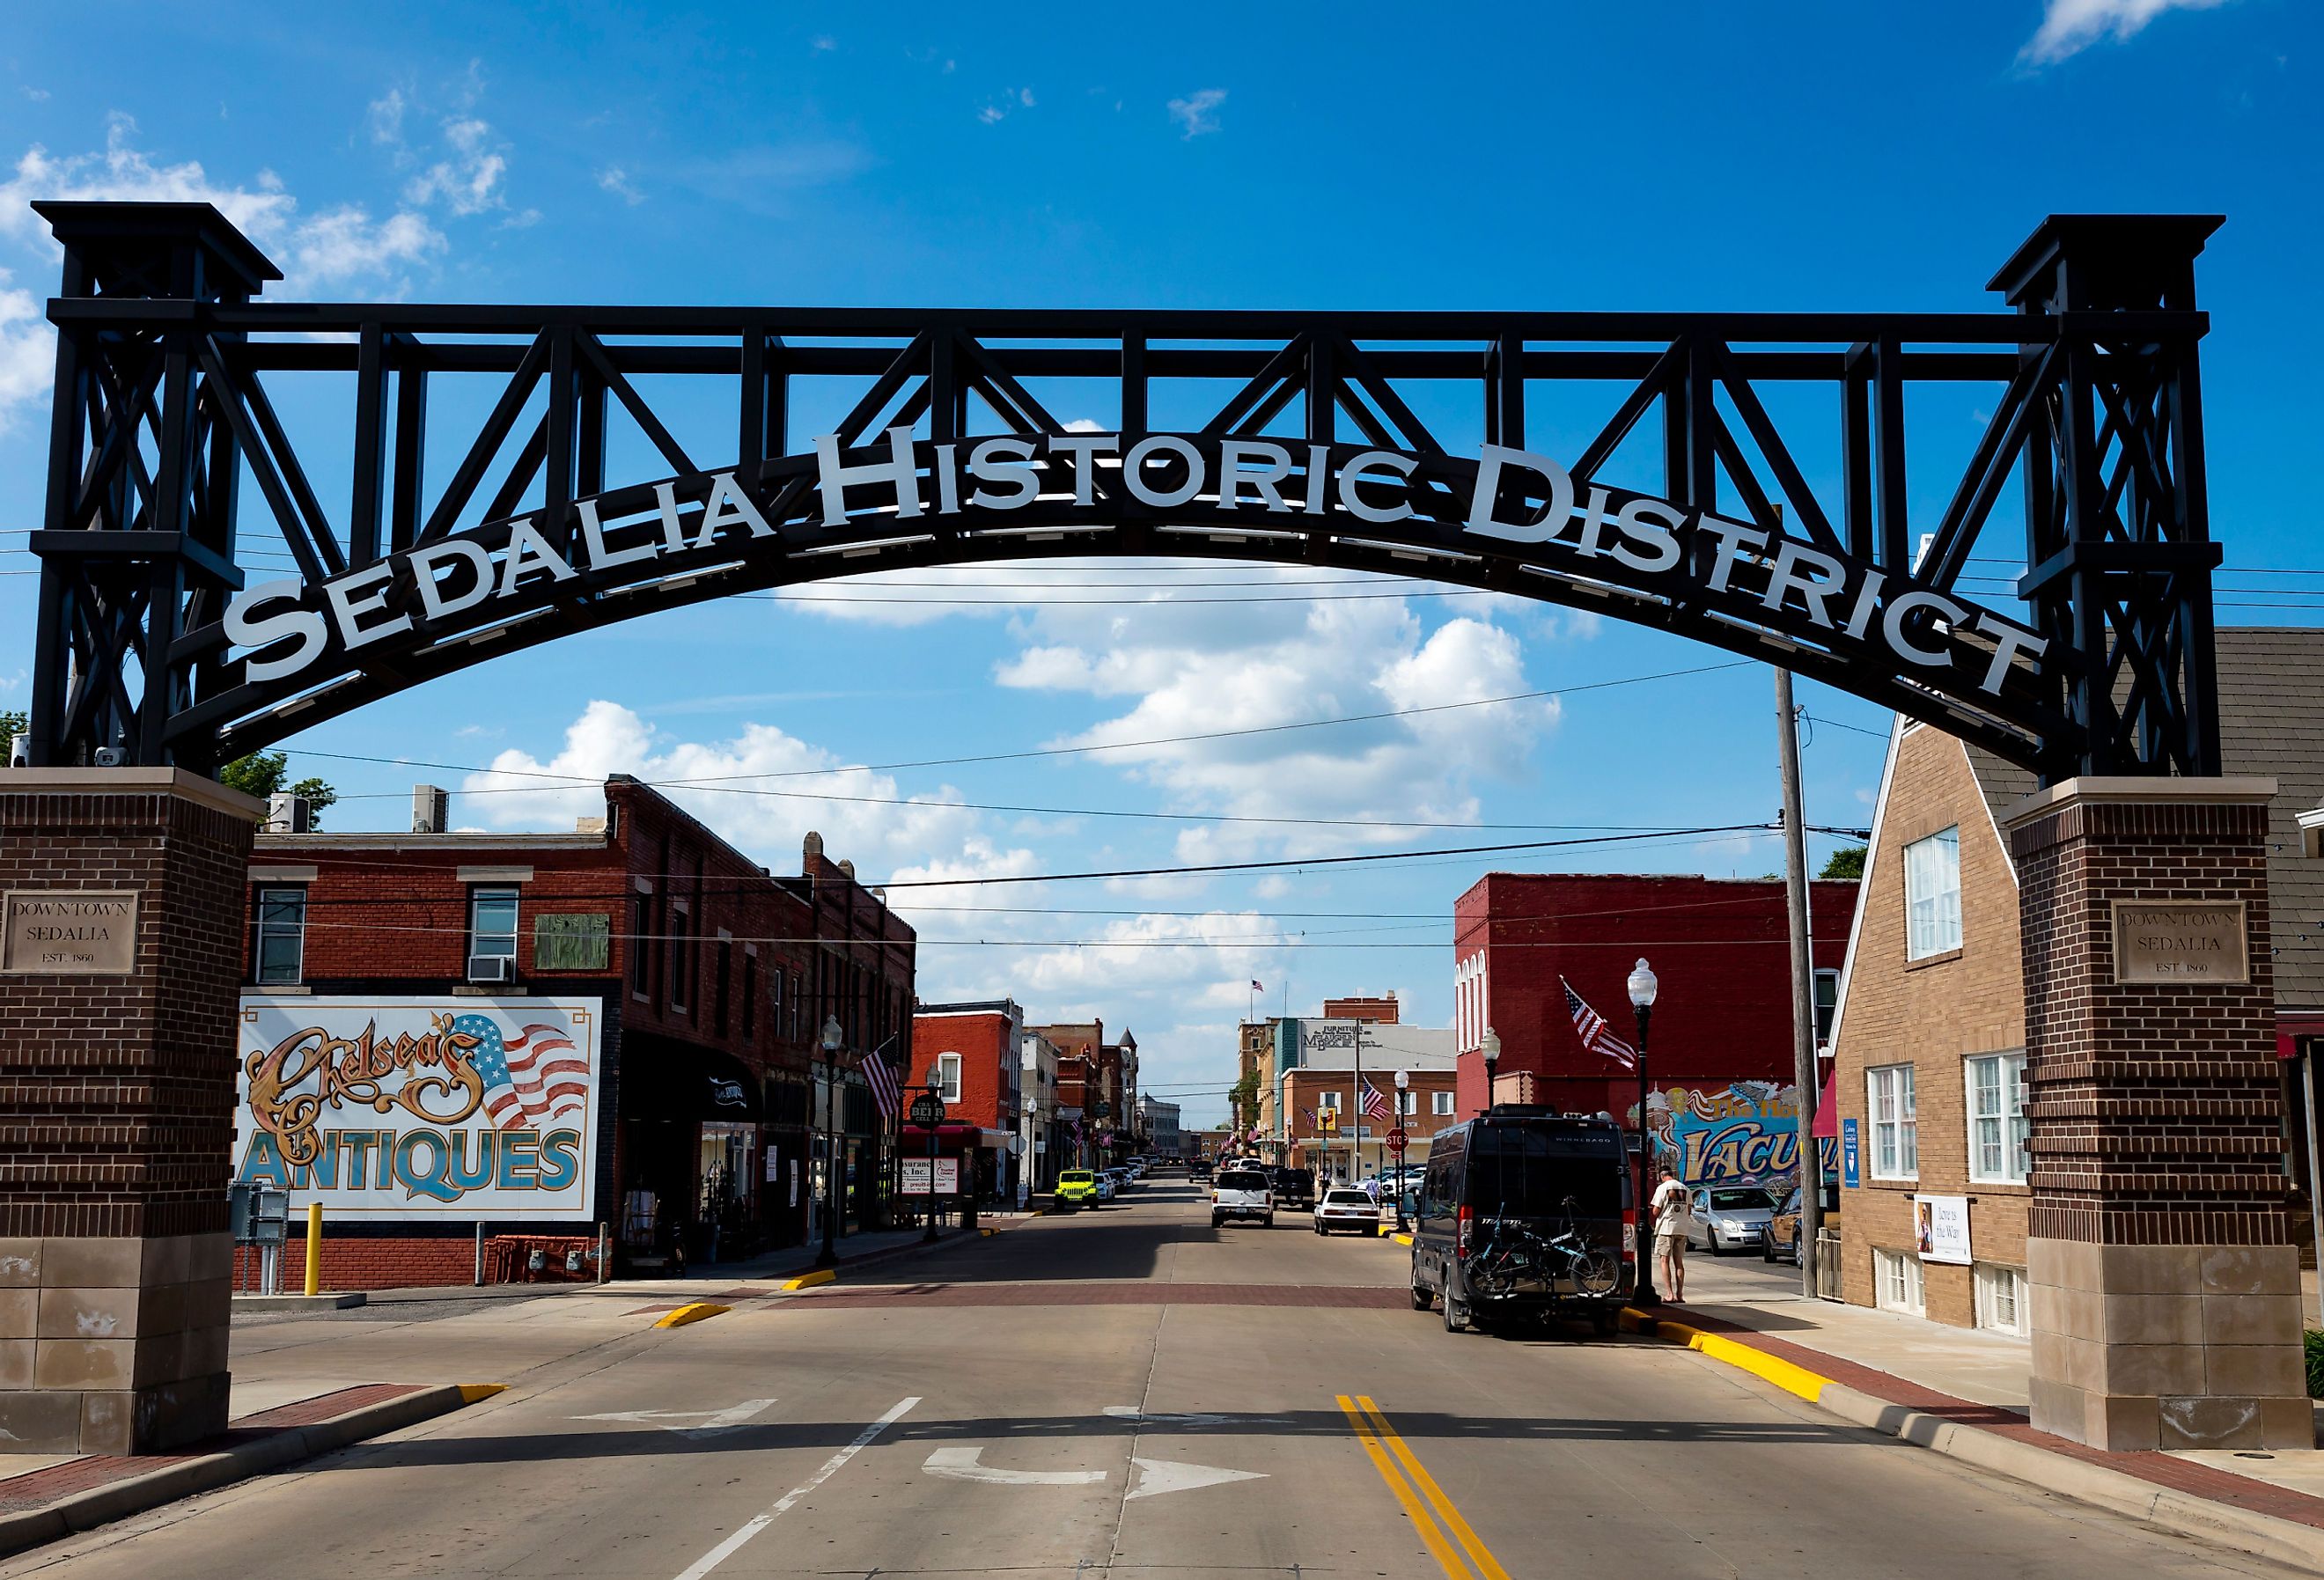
pixel 1439 1102
pixel 1933 919
pixel 282 935
pixel 1897 1282
pixel 2000 1298
pixel 491 922
pixel 1895 1127
pixel 1329 1100
pixel 1997 1130
pixel 948 1075
pixel 1407 1102
pixel 1827 1001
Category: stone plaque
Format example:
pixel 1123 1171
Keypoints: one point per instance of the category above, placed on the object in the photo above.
pixel 70 932
pixel 2193 942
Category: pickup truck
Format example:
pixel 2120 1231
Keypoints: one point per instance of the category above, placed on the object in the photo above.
pixel 1243 1193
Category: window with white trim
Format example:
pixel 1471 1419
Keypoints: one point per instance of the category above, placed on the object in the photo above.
pixel 2000 1298
pixel 1895 1127
pixel 1897 1282
pixel 491 922
pixel 1933 916
pixel 1439 1102
pixel 1997 1130
pixel 948 1075
pixel 281 935
pixel 1328 1100
pixel 1407 1102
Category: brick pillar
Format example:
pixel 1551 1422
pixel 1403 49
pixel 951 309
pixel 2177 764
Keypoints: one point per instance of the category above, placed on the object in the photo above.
pixel 2165 1293
pixel 116 1105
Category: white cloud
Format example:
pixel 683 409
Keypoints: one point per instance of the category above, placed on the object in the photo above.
pixel 824 43
pixel 468 179
pixel 1197 113
pixel 345 244
pixel 1198 674
pixel 125 173
pixel 2071 26
pixel 28 351
pixel 385 116
pixel 1025 97
pixel 613 178
pixel 992 115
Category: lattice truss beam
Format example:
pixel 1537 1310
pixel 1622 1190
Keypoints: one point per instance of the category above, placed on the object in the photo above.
pixel 566 462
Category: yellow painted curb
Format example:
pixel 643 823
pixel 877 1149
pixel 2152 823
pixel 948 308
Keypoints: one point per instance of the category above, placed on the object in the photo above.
pixel 1791 1378
pixel 697 1311
pixel 807 1281
pixel 470 1392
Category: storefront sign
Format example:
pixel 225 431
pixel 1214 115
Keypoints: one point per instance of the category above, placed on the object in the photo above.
pixel 1941 1225
pixel 419 1107
pixel 1849 1153
pixel 947 1177
pixel 2181 942
pixel 70 932
pixel 915 1179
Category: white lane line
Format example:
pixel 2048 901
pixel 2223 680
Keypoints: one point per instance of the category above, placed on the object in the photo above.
pixel 757 1523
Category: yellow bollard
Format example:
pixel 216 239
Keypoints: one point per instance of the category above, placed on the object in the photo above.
pixel 314 1248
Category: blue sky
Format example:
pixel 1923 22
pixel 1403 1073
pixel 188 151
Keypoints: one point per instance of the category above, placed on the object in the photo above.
pixel 1684 155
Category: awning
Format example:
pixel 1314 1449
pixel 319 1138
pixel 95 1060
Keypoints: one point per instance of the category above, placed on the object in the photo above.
pixel 2293 1025
pixel 1827 1114
pixel 954 1136
pixel 664 1079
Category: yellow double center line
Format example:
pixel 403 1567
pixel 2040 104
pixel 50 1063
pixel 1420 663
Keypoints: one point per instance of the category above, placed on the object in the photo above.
pixel 1432 1512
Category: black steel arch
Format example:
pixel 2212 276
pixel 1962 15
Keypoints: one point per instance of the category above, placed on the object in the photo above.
pixel 162 410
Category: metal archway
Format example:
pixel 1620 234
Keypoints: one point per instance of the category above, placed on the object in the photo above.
pixel 155 645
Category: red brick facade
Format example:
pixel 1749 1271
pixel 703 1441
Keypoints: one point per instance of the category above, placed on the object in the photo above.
pixel 712 970
pixel 1720 947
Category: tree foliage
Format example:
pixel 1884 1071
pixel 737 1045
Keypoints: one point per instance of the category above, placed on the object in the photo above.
pixel 262 773
pixel 1847 861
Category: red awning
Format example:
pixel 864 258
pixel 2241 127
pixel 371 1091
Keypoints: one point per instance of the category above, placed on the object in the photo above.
pixel 1827 1114
pixel 2292 1025
pixel 955 1134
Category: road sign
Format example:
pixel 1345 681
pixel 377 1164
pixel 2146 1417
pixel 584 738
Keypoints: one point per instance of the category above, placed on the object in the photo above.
pixel 928 1110
pixel 1398 1140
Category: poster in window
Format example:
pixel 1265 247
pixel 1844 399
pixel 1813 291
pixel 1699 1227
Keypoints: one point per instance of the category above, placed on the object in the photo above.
pixel 1940 1228
pixel 947 1177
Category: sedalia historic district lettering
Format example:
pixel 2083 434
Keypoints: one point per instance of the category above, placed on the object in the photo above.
pixel 1506 496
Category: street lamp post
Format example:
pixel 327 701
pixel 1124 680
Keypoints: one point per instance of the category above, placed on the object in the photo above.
pixel 834 1170
pixel 1644 986
pixel 935 1090
pixel 1491 1045
pixel 1403 1085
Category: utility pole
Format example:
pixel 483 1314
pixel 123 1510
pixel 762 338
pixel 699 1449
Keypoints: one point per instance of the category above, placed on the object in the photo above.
pixel 1803 1028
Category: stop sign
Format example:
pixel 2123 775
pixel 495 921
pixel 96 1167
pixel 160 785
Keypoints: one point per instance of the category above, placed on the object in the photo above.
pixel 1397 1140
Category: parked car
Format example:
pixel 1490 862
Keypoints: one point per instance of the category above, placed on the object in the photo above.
pixel 1524 1172
pixel 1721 1218
pixel 1077 1188
pixel 1295 1186
pixel 1344 1207
pixel 1781 1242
pixel 1243 1193
pixel 1105 1185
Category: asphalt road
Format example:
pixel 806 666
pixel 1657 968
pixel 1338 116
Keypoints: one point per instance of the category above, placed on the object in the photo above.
pixel 1129 1392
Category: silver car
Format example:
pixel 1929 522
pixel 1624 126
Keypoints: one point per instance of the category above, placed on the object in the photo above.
pixel 1721 1218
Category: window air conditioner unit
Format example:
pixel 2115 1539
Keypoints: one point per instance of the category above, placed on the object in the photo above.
pixel 491 968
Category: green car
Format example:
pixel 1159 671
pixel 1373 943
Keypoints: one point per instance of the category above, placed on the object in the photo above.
pixel 1077 1188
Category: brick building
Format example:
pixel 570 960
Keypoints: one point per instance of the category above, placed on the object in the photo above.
pixel 1930 1045
pixel 696 981
pixel 972 1052
pixel 1721 1032
pixel 1381 1010
pixel 1077 1043
pixel 1327 1087
pixel 1045 1141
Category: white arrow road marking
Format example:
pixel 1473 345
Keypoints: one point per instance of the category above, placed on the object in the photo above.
pixel 759 1522
pixel 705 1421
pixel 1158 1476
pixel 961 1464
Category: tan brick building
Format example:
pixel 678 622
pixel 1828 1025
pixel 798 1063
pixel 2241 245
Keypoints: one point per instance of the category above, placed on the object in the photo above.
pixel 1929 1036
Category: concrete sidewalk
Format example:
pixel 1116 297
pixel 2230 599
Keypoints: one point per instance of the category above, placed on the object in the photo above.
pixel 1964 1392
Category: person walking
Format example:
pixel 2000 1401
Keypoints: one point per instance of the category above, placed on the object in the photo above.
pixel 1669 1211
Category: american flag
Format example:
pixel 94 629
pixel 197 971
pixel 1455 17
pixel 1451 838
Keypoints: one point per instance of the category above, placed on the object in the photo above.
pixel 1375 1105
pixel 524 1084
pixel 1311 1117
pixel 881 1078
pixel 1591 1026
pixel 1255 986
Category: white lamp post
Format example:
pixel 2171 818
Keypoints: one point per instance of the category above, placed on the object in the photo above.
pixel 1644 985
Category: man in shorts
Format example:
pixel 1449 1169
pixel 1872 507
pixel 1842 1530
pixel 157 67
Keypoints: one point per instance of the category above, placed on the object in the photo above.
pixel 1669 1214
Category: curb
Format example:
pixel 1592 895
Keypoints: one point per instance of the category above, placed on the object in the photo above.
pixel 692 1311
pixel 2263 1535
pixel 807 1281
pixel 205 1473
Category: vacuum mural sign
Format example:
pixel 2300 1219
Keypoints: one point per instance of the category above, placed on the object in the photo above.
pixel 1745 1133
pixel 391 1107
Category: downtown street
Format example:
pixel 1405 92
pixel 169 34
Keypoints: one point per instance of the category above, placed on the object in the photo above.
pixel 1126 1391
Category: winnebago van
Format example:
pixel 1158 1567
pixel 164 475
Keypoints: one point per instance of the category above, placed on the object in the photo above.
pixel 1489 1244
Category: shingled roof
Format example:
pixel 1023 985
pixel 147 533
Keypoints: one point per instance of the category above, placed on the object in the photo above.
pixel 2271 726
